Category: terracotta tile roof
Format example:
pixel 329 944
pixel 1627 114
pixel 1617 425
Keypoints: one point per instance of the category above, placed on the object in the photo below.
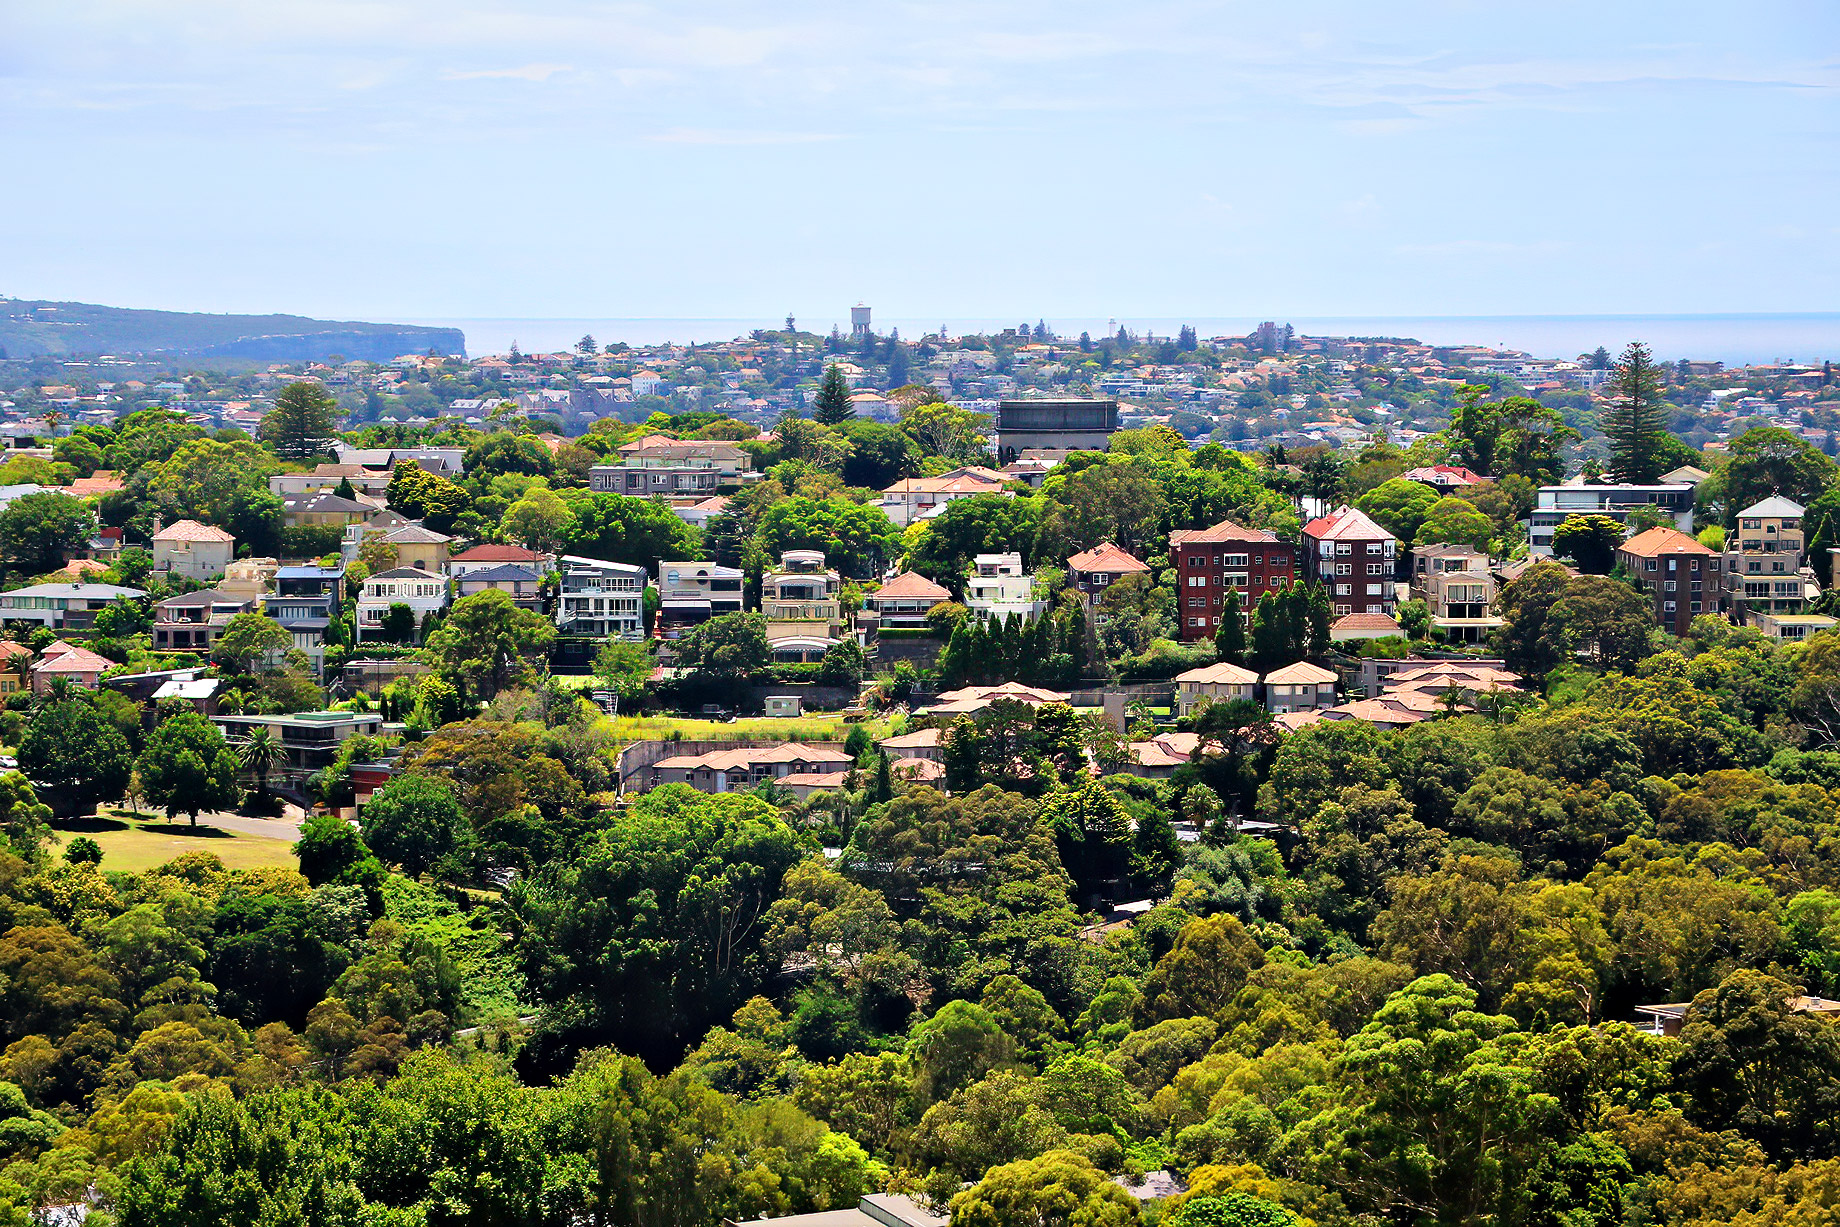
pixel 910 585
pixel 1345 524
pixel 976 698
pixel 1008 690
pixel 1658 541
pixel 1377 711
pixel 918 769
pixel 1150 754
pixel 61 657
pixel 1166 749
pixel 744 757
pixel 1226 530
pixel 102 481
pixel 911 741
pixel 973 479
pixel 1439 678
pixel 191 530
pixel 1226 673
pixel 1364 622
pixel 1444 475
pixel 1107 558
pixel 1454 670
pixel 815 779
pixel 1303 673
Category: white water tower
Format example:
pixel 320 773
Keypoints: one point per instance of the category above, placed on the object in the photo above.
pixel 859 320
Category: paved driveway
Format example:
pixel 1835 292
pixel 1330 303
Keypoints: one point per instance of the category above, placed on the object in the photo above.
pixel 263 828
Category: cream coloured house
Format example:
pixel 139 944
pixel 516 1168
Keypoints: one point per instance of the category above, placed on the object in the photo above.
pixel 194 550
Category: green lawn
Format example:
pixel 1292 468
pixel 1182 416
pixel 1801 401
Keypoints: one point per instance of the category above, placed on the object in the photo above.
pixel 134 847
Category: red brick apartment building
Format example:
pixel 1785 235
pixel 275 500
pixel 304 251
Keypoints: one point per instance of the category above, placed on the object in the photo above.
pixel 1355 557
pixel 1208 561
pixel 1677 573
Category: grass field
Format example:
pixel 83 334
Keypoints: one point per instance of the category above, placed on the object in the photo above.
pixel 800 728
pixel 133 847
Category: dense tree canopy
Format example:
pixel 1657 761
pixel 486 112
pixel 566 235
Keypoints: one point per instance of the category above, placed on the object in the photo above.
pixel 636 531
pixel 1014 963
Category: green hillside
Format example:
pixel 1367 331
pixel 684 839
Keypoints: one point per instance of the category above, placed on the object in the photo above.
pixel 31 328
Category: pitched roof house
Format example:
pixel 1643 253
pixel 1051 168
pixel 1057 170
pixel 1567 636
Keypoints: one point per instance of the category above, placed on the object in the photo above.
pixel 906 599
pixel 1094 570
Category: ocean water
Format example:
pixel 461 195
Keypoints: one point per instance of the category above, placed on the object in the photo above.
pixel 1732 339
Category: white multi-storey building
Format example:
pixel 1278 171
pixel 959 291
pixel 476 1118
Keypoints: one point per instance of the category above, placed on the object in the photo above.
pixel 422 591
pixel 604 600
pixel 998 587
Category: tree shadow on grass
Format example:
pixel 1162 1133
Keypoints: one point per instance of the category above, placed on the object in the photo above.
pixel 91 825
pixel 186 828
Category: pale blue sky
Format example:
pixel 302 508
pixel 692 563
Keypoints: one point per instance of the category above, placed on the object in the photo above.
pixel 1135 158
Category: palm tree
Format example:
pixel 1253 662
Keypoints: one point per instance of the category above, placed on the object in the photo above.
pixel 260 754
pixel 60 690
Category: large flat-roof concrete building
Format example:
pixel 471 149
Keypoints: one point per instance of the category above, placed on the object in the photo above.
pixel 1081 425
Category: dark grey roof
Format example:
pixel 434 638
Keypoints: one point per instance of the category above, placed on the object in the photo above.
pixel 504 573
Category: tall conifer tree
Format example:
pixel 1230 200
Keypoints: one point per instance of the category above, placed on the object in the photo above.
pixel 1636 423
pixel 1319 619
pixel 833 404
pixel 1230 639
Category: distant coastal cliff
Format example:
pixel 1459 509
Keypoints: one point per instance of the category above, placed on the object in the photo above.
pixel 31 328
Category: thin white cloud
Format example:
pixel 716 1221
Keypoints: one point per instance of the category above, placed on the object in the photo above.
pixel 1481 247
pixel 735 136
pixel 527 72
